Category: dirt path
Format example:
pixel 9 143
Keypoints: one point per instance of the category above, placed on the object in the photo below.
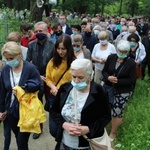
pixel 45 142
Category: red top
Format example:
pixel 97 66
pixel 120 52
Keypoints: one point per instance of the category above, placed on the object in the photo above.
pixel 25 40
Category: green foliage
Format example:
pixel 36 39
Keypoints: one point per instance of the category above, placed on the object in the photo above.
pixel 134 132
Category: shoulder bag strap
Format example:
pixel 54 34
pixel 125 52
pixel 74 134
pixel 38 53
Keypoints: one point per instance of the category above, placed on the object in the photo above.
pixel 61 77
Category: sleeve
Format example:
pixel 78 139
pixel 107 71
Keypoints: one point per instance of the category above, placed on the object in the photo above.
pixel 96 128
pixel 3 92
pixel 94 51
pixel 55 111
pixel 49 72
pixel 29 53
pixel 33 83
pixel 142 53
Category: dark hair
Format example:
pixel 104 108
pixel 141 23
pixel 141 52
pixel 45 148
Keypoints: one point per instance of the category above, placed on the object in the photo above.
pixel 134 36
pixel 66 40
pixel 83 23
pixel 25 27
pixel 56 25
pixel 78 27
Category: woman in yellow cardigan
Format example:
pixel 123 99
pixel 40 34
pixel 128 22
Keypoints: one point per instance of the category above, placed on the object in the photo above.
pixel 58 69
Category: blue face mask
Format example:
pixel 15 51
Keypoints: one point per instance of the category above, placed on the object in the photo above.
pixel 74 32
pixel 79 86
pixel 103 42
pixel 14 63
pixel 76 48
pixel 132 44
pixel 121 56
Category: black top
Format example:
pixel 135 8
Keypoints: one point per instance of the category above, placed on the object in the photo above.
pixel 125 73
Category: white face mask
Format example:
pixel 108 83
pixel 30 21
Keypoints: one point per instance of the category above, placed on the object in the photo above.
pixel 124 32
pixel 103 42
pixel 96 32
pixel 122 23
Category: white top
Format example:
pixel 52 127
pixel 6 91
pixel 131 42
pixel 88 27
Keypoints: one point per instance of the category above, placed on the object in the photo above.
pixel 24 52
pixel 102 54
pixel 68 114
pixel 64 28
pixel 14 79
pixel 80 55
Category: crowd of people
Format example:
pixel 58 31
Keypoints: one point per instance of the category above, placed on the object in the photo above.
pixel 86 73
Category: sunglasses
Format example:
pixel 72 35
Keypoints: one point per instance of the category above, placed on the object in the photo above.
pixel 76 45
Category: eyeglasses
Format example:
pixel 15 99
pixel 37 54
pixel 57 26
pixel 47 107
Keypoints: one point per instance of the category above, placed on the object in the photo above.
pixel 38 31
pixel 76 45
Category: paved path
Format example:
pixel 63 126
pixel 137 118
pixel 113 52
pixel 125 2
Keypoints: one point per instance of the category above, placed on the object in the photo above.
pixel 45 142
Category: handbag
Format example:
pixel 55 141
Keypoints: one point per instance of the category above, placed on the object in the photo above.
pixel 138 71
pixel 47 103
pixel 100 143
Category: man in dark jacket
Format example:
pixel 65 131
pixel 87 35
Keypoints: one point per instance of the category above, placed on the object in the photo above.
pixel 65 28
pixel 146 61
pixel 39 54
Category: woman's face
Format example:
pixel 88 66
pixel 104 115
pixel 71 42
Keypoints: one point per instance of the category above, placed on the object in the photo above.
pixel 77 46
pixel 61 50
pixel 12 61
pixel 78 75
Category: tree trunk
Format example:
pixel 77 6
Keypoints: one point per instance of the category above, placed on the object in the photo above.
pixel 120 9
pixel 9 3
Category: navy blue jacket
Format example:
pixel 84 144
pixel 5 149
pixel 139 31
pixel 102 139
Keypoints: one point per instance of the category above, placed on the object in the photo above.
pixel 90 41
pixel 68 30
pixel 29 72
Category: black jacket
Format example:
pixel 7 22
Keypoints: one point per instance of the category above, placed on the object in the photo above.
pixel 95 114
pixel 126 74
pixel 32 54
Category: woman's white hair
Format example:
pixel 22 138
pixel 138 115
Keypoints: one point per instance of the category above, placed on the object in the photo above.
pixel 84 64
pixel 123 45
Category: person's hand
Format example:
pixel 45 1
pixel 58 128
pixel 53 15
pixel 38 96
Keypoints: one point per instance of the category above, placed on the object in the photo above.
pixel 113 79
pixel 137 62
pixel 102 61
pixel 75 130
pixel 43 78
pixel 81 130
pixel 3 116
pixel 54 90
pixel 14 92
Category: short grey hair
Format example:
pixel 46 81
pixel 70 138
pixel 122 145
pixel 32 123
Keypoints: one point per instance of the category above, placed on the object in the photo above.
pixel 123 45
pixel 43 23
pixel 84 64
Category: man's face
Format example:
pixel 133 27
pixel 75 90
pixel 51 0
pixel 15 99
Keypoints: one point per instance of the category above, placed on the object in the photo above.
pixel 40 29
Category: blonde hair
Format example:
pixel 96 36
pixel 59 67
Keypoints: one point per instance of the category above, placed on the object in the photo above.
pixel 14 36
pixel 78 38
pixel 11 48
pixel 103 35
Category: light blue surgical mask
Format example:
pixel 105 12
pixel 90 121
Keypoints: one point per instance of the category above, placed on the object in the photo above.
pixel 74 32
pixel 103 42
pixel 132 44
pixel 76 48
pixel 121 56
pixel 79 86
pixel 14 63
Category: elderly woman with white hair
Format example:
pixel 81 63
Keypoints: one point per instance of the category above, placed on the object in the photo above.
pixel 119 76
pixel 92 111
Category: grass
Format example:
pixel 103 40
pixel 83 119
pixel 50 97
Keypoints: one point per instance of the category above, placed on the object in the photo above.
pixel 134 132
